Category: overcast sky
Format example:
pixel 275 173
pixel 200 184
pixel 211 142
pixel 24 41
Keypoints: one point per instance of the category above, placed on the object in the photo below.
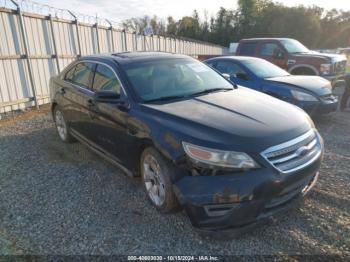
pixel 118 10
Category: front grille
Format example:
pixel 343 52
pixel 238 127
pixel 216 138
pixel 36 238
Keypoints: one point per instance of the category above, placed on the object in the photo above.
pixel 295 154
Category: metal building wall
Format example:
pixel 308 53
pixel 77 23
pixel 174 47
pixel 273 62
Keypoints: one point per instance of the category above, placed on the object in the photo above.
pixel 52 43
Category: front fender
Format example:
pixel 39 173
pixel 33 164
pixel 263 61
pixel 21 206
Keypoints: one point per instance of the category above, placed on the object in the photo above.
pixel 152 131
pixel 279 91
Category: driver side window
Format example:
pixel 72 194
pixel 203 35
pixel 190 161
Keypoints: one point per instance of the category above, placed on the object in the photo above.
pixel 226 67
pixel 268 49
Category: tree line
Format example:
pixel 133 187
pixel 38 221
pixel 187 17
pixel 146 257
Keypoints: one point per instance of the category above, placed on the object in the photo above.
pixel 313 26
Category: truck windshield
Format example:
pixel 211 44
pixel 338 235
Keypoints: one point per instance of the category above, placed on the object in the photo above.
pixel 294 46
pixel 264 69
pixel 161 80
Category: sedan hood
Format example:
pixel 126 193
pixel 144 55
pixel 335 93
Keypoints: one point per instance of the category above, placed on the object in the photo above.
pixel 314 84
pixel 241 118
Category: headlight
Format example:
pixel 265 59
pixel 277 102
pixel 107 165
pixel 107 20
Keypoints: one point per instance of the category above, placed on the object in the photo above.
pixel 302 96
pixel 325 69
pixel 220 158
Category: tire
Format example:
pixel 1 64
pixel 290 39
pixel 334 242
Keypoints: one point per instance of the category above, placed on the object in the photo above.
pixel 62 126
pixel 156 172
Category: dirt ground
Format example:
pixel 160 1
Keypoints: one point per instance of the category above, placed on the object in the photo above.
pixel 63 199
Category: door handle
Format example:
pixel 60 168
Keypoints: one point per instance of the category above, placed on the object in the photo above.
pixel 131 131
pixel 62 91
pixel 90 102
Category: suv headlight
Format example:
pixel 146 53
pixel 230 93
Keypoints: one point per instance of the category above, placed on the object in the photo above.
pixel 214 157
pixel 302 96
pixel 325 69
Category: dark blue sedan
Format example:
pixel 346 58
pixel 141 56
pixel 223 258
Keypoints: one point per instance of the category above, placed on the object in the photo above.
pixel 312 93
pixel 227 155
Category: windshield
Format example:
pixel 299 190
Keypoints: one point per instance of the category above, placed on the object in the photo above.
pixel 173 78
pixel 294 46
pixel 264 69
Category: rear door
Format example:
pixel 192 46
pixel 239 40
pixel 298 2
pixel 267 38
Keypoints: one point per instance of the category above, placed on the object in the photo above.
pixel 78 91
pixel 273 52
pixel 248 48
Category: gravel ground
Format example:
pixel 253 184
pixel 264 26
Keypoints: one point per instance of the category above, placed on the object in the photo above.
pixel 63 199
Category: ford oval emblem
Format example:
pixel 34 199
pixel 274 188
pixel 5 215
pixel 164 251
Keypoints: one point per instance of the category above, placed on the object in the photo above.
pixel 302 151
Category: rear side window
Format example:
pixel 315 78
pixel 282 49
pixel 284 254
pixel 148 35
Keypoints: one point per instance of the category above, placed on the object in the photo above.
pixel 268 49
pixel 70 74
pixel 247 49
pixel 81 75
pixel 106 80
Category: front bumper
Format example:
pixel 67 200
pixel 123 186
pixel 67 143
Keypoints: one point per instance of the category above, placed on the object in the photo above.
pixel 319 108
pixel 231 204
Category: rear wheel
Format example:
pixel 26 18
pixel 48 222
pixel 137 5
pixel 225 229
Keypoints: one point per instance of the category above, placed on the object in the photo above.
pixel 156 172
pixel 62 126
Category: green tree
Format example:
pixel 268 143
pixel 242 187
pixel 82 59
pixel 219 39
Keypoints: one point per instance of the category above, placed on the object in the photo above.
pixel 172 26
pixel 313 26
pixel 223 27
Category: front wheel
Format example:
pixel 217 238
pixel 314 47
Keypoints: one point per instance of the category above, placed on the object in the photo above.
pixel 156 172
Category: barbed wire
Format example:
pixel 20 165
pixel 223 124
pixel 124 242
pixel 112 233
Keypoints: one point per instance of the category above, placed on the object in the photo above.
pixel 43 9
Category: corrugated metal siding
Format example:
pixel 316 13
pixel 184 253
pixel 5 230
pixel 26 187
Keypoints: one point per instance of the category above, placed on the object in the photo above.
pixel 15 86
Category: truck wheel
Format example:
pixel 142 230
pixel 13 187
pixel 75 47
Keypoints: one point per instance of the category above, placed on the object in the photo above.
pixel 62 126
pixel 156 172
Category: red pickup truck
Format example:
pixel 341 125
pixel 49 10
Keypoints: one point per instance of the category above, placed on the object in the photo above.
pixel 294 57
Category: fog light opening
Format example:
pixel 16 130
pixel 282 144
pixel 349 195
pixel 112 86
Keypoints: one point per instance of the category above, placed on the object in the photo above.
pixel 219 210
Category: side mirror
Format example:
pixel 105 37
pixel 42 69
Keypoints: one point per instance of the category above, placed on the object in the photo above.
pixel 226 76
pixel 278 53
pixel 106 97
pixel 242 76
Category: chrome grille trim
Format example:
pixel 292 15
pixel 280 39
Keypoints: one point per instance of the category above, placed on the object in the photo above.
pixel 284 159
pixel 295 154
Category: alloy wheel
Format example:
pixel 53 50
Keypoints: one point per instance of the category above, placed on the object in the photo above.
pixel 154 181
pixel 61 125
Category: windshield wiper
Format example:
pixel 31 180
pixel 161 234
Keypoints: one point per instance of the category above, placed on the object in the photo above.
pixel 166 98
pixel 206 91
pixel 211 90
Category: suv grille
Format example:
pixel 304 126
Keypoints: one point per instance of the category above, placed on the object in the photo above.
pixel 295 154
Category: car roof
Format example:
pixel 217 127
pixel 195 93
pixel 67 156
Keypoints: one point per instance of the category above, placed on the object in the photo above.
pixel 265 38
pixel 134 57
pixel 236 58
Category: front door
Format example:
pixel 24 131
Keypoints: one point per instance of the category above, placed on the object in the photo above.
pixel 237 74
pixel 274 53
pixel 108 119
